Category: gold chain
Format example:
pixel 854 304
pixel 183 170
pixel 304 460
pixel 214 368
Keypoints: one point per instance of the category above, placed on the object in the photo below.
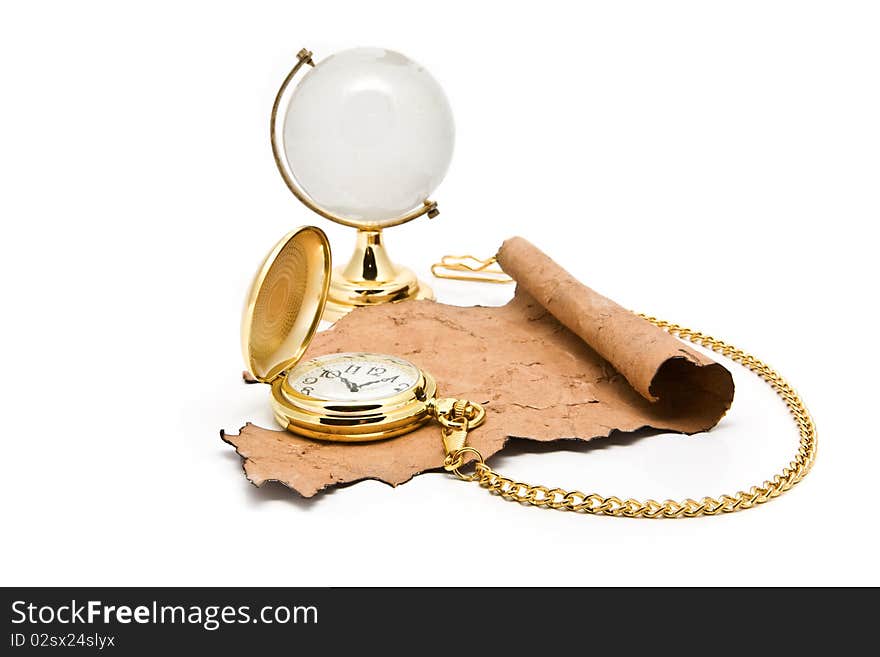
pixel 557 498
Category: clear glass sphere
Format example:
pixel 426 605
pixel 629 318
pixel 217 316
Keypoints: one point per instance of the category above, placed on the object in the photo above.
pixel 368 134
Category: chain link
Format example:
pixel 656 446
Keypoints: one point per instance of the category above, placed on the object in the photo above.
pixel 557 498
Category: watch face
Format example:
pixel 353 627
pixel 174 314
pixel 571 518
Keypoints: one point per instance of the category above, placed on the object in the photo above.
pixel 353 377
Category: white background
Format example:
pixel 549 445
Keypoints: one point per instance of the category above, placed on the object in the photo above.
pixel 712 163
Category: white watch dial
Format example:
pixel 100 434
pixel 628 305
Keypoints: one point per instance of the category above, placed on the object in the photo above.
pixel 353 377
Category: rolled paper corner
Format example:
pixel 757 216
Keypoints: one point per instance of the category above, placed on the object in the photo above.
pixel 656 364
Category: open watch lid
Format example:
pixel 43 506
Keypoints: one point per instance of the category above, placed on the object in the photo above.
pixel 286 302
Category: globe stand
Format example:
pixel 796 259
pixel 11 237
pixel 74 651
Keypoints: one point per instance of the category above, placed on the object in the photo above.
pixel 370 278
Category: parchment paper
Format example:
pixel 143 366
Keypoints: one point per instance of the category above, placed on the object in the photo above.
pixel 559 361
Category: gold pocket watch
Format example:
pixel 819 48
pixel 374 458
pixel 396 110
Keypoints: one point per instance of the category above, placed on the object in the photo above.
pixel 345 397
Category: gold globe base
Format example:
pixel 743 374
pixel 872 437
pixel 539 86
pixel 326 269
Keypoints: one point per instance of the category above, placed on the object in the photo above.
pixel 370 278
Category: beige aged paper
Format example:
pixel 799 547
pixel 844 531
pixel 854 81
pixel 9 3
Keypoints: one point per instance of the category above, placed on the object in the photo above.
pixel 559 361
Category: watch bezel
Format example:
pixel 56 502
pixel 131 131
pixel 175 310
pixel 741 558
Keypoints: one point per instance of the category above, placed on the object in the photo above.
pixel 353 421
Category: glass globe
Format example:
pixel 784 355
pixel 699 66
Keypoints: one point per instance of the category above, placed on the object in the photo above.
pixel 368 134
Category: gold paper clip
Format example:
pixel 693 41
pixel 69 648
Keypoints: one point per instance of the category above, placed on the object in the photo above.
pixel 470 268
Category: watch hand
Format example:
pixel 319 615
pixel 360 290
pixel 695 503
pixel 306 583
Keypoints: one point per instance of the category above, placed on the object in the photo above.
pixel 353 387
pixel 369 383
